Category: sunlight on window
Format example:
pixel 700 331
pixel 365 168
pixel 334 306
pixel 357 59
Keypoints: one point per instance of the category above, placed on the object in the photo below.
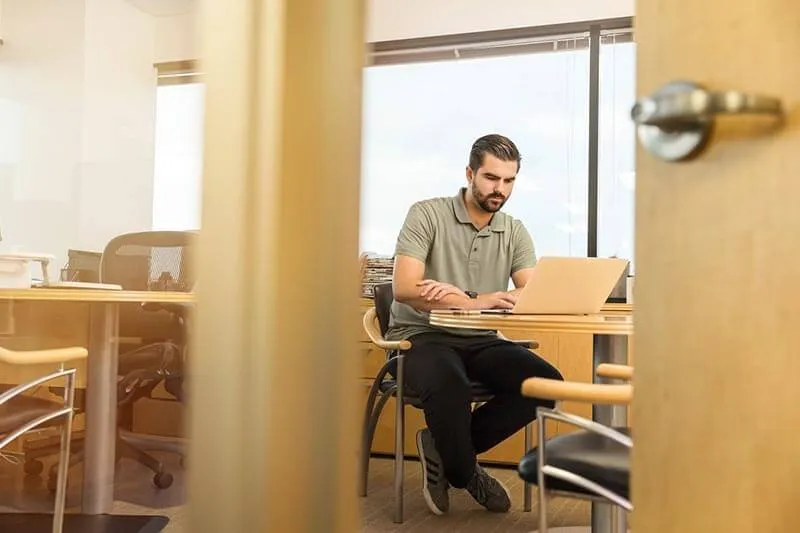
pixel 616 171
pixel 178 157
pixel 421 119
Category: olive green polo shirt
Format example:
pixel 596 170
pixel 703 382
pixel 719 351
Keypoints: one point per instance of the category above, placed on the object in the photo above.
pixel 440 233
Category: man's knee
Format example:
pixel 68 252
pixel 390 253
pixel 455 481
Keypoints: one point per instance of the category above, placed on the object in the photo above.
pixel 541 368
pixel 545 370
pixel 551 372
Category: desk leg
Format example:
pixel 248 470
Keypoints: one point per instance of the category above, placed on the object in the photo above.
pixel 609 349
pixel 101 410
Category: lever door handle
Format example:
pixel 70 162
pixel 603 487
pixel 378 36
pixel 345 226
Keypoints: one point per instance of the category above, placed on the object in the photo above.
pixel 676 122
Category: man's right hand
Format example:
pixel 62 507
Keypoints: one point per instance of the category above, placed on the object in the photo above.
pixel 433 290
pixel 495 300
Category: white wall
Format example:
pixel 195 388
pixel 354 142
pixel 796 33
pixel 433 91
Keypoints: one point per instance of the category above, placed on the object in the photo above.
pixel 77 99
pixel 175 38
pixel 118 149
pixel 404 19
pixel 41 106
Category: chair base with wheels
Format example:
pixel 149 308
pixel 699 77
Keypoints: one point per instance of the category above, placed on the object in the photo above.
pixel 592 462
pixel 134 384
pixel 162 479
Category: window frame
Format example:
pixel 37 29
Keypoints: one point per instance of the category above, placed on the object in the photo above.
pixel 178 72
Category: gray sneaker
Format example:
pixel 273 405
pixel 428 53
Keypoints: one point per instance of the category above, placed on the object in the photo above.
pixel 489 492
pixel 434 483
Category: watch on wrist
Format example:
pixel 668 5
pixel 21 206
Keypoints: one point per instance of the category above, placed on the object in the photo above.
pixel 471 294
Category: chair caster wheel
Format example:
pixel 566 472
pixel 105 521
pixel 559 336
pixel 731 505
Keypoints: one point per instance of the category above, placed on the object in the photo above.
pixel 162 480
pixel 33 467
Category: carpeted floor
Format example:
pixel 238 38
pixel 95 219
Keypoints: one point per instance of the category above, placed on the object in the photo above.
pixel 135 494
pixel 465 515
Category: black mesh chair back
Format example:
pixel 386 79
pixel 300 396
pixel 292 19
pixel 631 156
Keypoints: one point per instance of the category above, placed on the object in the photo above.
pixel 384 296
pixel 150 260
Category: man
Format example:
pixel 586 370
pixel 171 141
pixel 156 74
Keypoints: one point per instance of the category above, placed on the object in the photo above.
pixel 461 252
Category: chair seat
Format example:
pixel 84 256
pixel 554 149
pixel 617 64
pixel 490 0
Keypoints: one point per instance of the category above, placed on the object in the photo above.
pixel 589 455
pixel 80 397
pixel 480 393
pixel 20 410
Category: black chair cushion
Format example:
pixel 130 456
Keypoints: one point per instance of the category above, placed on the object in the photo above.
pixel 479 392
pixel 589 455
pixel 80 397
pixel 20 410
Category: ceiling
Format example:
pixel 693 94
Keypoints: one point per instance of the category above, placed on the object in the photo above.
pixel 164 8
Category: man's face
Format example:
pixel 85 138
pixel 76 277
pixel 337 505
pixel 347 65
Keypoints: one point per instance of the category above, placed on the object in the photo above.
pixel 492 184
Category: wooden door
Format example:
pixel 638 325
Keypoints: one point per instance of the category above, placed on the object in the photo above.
pixel 717 405
pixel 274 428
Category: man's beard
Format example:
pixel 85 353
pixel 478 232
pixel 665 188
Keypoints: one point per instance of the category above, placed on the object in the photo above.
pixel 485 202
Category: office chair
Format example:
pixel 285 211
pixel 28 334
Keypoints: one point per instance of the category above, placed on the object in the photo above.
pixel 384 386
pixel 591 463
pixel 20 414
pixel 154 335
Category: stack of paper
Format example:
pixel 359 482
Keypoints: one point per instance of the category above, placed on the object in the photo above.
pixel 375 269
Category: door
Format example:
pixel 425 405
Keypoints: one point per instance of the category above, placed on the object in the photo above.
pixel 273 402
pixel 718 281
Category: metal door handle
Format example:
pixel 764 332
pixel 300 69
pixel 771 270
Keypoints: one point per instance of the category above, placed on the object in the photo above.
pixel 675 123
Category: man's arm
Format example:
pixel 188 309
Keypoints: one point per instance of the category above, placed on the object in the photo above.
pixel 411 288
pixel 520 279
pixel 524 258
pixel 427 294
pixel 408 283
pixel 411 252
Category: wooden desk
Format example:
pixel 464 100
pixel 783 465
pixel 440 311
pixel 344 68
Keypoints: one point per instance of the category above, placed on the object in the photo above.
pixel 101 370
pixel 610 331
pixel 618 322
pixel 96 295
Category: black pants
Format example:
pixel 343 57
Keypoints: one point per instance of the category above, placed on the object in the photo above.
pixel 439 368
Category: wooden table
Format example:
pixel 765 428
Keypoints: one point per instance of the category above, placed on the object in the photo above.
pixel 610 331
pixel 101 370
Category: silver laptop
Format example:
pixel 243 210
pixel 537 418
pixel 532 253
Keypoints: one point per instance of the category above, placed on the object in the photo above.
pixel 568 286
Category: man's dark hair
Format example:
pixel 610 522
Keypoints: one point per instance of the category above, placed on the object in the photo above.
pixel 497 145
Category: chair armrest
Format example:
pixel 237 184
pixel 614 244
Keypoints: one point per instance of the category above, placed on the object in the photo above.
pixel 38 357
pixel 532 345
pixel 584 423
pixel 613 371
pixel 374 334
pixel 551 389
pixel 68 373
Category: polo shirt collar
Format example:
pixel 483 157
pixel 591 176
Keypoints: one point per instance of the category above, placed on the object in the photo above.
pixel 497 223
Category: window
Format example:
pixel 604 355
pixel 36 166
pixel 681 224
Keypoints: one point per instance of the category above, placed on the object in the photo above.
pixel 425 102
pixel 617 148
pixel 177 181
pixel 421 118
pixel 428 99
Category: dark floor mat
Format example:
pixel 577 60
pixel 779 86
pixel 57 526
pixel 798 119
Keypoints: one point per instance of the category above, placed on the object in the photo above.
pixel 75 523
